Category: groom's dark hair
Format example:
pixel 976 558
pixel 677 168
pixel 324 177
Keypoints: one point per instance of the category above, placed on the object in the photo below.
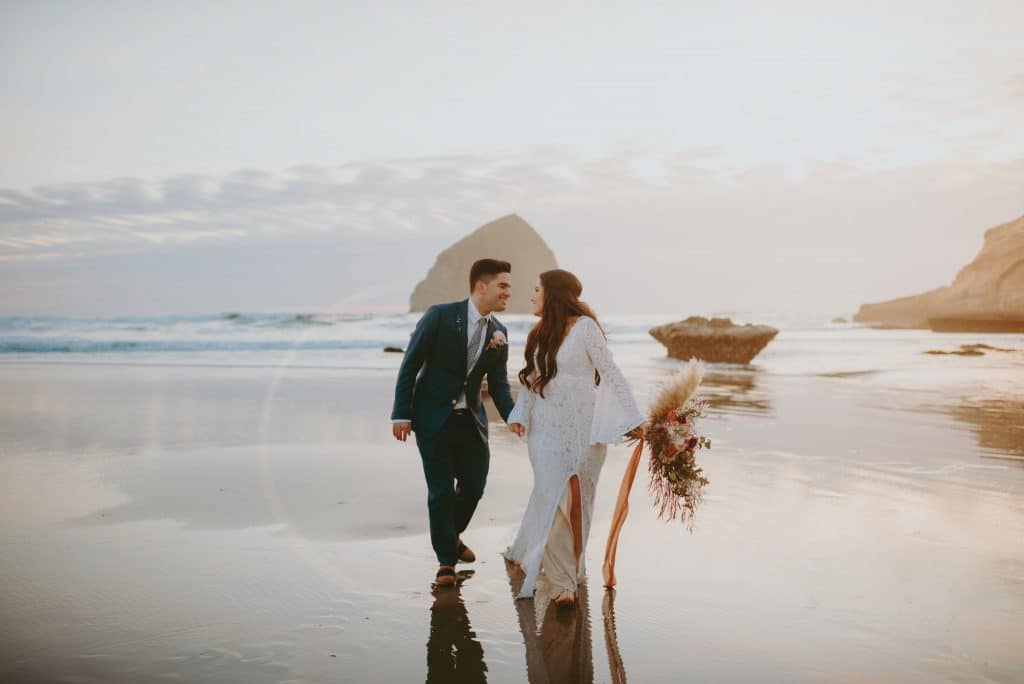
pixel 486 269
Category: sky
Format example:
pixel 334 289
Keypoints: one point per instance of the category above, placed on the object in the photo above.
pixel 686 157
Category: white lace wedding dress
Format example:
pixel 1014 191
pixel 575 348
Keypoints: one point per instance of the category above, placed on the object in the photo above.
pixel 568 430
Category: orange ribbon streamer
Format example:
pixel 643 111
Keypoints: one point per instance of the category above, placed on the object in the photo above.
pixel 619 516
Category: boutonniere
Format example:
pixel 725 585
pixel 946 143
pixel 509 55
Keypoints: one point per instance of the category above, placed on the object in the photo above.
pixel 498 339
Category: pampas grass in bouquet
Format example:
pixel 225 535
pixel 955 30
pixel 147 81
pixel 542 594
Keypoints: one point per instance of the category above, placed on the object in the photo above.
pixel 677 482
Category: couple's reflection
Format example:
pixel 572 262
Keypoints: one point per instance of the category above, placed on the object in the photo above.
pixel 453 652
pixel 558 640
pixel 561 649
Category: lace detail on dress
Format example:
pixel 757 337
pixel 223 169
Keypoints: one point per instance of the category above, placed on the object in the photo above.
pixel 561 429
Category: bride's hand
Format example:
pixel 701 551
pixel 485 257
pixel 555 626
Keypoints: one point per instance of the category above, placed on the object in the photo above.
pixel 639 432
pixel 517 428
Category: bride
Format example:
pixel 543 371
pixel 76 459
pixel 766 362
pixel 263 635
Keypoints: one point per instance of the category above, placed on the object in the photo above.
pixel 574 402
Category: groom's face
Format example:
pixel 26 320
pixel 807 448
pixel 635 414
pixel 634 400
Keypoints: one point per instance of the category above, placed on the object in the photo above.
pixel 494 295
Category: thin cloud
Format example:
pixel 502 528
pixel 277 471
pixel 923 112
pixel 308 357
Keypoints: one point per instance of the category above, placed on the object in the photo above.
pixel 678 230
pixel 398 195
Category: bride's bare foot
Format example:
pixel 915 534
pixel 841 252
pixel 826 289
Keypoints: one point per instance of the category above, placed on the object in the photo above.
pixel 565 599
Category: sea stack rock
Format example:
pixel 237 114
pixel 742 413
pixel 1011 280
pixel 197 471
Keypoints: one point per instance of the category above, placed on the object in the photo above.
pixel 718 340
pixel 509 238
pixel 986 296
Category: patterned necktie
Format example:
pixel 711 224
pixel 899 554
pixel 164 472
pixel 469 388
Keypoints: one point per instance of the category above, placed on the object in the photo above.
pixel 473 352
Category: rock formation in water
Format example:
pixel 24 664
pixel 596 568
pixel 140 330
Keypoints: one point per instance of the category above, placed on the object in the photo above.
pixel 986 296
pixel 718 340
pixel 509 238
pixel 977 349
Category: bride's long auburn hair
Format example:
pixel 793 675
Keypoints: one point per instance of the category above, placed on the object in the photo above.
pixel 562 292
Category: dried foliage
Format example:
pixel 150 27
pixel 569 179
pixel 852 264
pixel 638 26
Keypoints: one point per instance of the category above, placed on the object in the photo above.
pixel 676 481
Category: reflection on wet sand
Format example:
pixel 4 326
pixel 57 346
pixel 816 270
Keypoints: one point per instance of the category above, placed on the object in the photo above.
pixel 558 643
pixel 453 652
pixel 735 391
pixel 611 638
pixel 558 640
pixel 997 423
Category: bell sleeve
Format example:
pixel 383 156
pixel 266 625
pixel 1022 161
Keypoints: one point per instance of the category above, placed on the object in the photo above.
pixel 615 409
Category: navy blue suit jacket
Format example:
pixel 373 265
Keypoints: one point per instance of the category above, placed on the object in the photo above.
pixel 433 371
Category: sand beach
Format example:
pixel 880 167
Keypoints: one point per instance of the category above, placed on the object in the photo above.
pixel 207 521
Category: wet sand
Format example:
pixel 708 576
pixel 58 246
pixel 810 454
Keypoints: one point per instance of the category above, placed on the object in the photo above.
pixel 261 525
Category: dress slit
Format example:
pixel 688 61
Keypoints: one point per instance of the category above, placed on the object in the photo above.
pixel 560 557
pixel 576 517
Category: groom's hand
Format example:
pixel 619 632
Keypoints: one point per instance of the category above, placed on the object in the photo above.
pixel 401 430
pixel 517 428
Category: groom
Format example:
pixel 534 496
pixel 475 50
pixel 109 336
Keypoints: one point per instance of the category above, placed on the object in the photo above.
pixel 437 396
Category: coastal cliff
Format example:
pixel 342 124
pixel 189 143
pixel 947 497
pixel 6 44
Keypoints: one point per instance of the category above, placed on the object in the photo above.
pixel 986 295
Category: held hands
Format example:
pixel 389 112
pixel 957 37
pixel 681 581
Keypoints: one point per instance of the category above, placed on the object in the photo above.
pixel 401 430
pixel 517 428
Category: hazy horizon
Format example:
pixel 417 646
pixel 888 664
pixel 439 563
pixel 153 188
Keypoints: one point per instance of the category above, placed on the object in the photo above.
pixel 195 159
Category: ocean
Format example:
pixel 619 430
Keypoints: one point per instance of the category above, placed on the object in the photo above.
pixel 807 345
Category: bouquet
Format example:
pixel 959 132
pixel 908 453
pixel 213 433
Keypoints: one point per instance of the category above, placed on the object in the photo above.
pixel 676 481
